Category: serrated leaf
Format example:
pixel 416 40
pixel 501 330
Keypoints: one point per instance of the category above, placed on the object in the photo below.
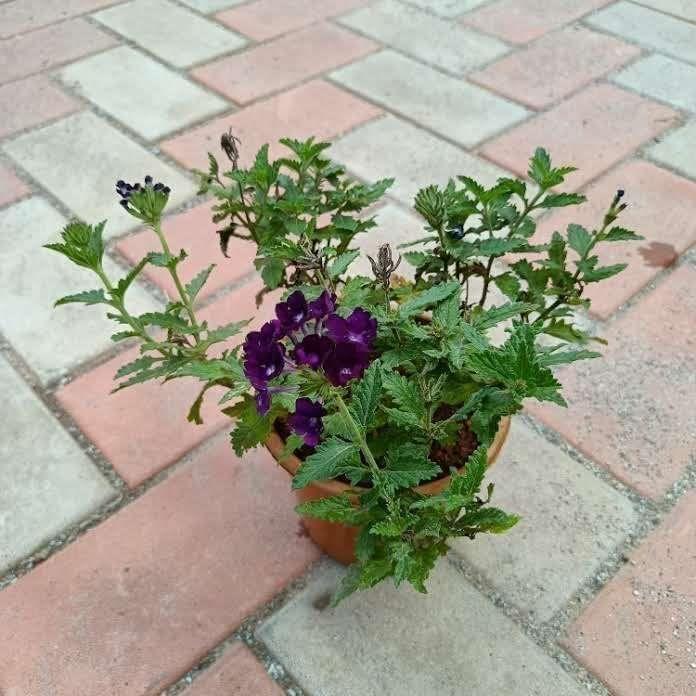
pixel 579 239
pixel 141 363
pixel 407 467
pixel 509 285
pixel 222 333
pixel 405 394
pixel 429 297
pixel 562 357
pixel 365 395
pixel 340 264
pixel 560 200
pixel 558 328
pixel 272 272
pixel 197 283
pixel 469 482
pixel 495 315
pixel 165 321
pixel 328 461
pixel 487 519
pixel 603 272
pixel 251 428
pixel 88 297
pixel 619 234
pixel 336 508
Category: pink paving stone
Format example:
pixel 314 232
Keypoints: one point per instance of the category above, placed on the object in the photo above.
pixel 632 410
pixel 30 102
pixel 11 188
pixel 194 231
pixel 662 208
pixel 592 130
pixel 143 429
pixel 236 673
pixel 555 66
pixel 133 604
pixel 639 634
pixel 265 19
pixel 283 62
pixel 21 16
pixel 316 108
pixel 46 48
pixel 520 21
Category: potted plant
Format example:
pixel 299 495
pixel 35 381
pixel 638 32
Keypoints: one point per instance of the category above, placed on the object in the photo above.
pixel 384 398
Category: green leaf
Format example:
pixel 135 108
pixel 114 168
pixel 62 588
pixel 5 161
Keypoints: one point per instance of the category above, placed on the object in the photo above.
pixel 603 272
pixel 222 333
pixel 194 287
pixel 560 200
pixel 88 297
pixel 539 166
pixel 579 239
pixel 495 315
pixel 340 265
pixel 469 482
pixel 429 297
pixel 619 234
pixel 141 363
pixel 272 272
pixel 509 285
pixel 558 328
pixel 562 357
pixel 487 519
pixel 365 395
pixel 407 466
pixel 337 508
pixel 405 394
pixel 328 461
pixel 251 428
pixel 349 584
pixel 165 321
pixel 430 203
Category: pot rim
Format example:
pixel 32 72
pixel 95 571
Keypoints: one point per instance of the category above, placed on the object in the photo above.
pixel 276 445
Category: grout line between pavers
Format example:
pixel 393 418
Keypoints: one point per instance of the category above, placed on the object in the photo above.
pixel 663 11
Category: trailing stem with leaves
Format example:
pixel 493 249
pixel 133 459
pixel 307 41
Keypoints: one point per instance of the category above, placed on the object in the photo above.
pixel 377 382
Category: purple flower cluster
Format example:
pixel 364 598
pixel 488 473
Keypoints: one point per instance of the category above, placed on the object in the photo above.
pixel 318 338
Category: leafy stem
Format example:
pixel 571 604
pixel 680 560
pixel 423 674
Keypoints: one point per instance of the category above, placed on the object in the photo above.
pixel 358 436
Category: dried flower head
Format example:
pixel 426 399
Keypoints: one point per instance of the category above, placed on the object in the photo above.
pixel 384 266
pixel 228 142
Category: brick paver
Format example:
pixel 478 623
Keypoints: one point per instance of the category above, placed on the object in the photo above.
pixel 283 62
pixel 236 673
pixel 153 104
pixel 423 36
pixel 632 411
pixel 265 19
pixel 156 586
pixel 555 66
pixel 30 102
pixel 589 129
pixel 11 187
pixel 639 635
pixel 42 490
pixel 421 90
pixel 79 158
pixel 454 109
pixel 28 317
pixel 319 645
pixel 549 555
pixel 165 29
pixel 520 21
pixel 316 108
pixel 662 208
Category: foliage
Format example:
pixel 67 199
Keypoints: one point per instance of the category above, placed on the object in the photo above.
pixel 373 378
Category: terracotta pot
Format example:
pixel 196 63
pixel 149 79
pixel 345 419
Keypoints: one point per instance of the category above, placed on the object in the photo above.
pixel 338 540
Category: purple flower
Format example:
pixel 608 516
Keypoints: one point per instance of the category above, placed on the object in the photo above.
pixel 312 350
pixel 306 421
pixel 322 306
pixel 293 312
pixel 272 331
pixel 360 327
pixel 345 362
pixel 263 401
pixel 264 357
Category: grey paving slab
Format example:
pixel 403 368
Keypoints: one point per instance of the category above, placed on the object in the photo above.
pixel 212 5
pixel 51 340
pixel 685 9
pixel 571 521
pixel 677 149
pixel 80 158
pixel 140 92
pixel 451 107
pixel 171 32
pixel 645 26
pixel 389 642
pixel 663 78
pixel 447 8
pixel 46 482
pixel 441 43
pixel 391 147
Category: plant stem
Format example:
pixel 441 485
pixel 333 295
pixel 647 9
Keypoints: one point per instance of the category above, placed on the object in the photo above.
pixel 358 436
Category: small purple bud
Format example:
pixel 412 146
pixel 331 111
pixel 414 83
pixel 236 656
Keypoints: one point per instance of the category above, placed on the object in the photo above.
pixel 306 421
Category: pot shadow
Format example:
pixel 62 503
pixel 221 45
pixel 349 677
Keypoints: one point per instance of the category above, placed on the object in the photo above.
pixel 658 254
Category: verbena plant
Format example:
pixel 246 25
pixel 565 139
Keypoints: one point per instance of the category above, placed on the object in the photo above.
pixel 377 381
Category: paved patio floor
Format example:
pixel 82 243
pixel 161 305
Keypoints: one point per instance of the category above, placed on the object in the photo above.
pixel 138 555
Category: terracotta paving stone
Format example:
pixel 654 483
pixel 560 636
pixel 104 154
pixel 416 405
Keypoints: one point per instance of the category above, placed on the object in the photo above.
pixel 11 188
pixel 520 21
pixel 22 16
pixel 555 66
pixel 661 207
pixel 48 47
pixel 284 62
pixel 194 231
pixel 631 411
pixel 138 600
pixel 143 429
pixel 639 634
pixel 236 673
pixel 590 131
pixel 30 102
pixel 265 19
pixel 316 108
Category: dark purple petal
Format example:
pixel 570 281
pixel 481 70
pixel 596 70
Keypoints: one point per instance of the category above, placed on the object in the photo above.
pixel 262 362
pixel 263 401
pixel 312 350
pixel 346 361
pixel 306 421
pixel 322 306
pixel 292 313
pixel 359 327
pixel 271 331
